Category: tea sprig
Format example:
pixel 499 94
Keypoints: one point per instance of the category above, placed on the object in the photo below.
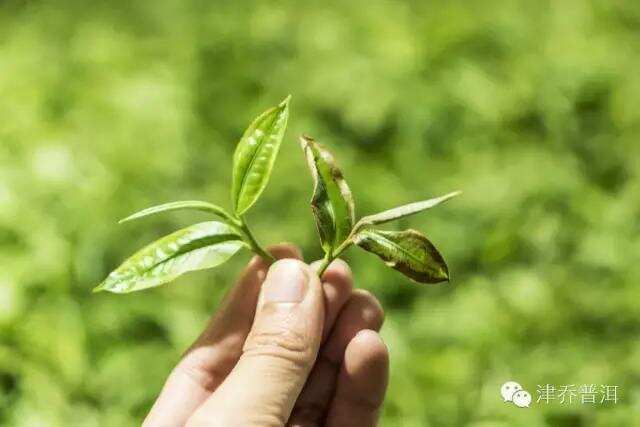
pixel 409 251
pixel 209 244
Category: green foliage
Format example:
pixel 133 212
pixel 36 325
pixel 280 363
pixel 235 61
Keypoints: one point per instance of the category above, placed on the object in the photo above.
pixel 195 205
pixel 197 247
pixel 531 108
pixel 210 244
pixel 255 156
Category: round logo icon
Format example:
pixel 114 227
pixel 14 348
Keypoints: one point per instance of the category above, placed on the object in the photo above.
pixel 513 392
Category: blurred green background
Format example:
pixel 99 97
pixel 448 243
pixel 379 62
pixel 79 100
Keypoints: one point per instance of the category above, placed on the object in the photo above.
pixel 531 108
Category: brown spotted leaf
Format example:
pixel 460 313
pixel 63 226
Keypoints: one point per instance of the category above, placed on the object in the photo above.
pixel 332 203
pixel 409 252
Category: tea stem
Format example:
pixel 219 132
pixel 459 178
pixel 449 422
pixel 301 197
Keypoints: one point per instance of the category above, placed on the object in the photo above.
pixel 330 256
pixel 253 243
pixel 326 261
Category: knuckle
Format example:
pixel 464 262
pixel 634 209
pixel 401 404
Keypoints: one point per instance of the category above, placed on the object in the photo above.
pixel 370 307
pixel 285 344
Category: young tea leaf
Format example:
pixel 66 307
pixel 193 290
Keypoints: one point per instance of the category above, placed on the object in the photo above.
pixel 406 210
pixel 175 206
pixel 332 202
pixel 197 247
pixel 409 252
pixel 255 155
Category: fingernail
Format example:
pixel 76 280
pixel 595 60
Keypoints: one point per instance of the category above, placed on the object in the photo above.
pixel 286 282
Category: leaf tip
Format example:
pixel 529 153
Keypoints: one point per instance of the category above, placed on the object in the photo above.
pixel 444 277
pixel 443 274
pixel 99 288
pixel 305 141
pixel 285 102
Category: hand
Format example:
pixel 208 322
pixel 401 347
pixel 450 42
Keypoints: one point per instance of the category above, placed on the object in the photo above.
pixel 292 351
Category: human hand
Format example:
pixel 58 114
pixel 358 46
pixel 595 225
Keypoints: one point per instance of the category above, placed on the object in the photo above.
pixel 292 351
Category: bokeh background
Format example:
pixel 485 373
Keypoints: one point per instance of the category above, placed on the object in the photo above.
pixel 531 108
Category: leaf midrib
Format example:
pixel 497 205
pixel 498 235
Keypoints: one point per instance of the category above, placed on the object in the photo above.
pixel 253 157
pixel 193 246
pixel 403 250
pixel 333 197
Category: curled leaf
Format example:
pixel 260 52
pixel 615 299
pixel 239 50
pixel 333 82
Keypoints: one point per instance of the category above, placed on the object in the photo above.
pixel 175 206
pixel 197 247
pixel 406 210
pixel 255 155
pixel 332 203
pixel 409 252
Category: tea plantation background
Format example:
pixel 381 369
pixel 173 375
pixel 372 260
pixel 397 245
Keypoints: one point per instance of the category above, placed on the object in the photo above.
pixel 531 108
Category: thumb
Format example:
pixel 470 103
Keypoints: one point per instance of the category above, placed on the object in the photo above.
pixel 278 354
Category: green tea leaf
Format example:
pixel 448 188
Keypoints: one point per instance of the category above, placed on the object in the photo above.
pixel 332 202
pixel 175 206
pixel 197 247
pixel 406 210
pixel 255 155
pixel 409 252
